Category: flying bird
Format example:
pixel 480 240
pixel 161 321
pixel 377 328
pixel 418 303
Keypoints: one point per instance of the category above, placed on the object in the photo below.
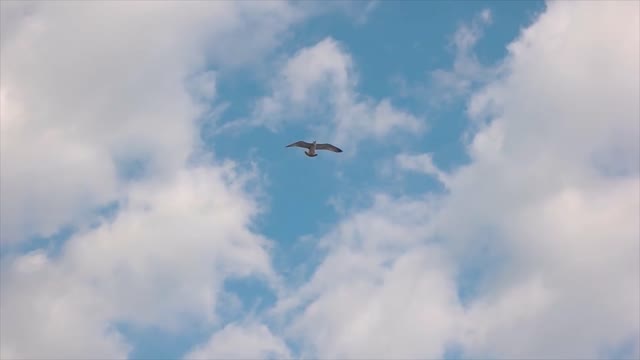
pixel 312 147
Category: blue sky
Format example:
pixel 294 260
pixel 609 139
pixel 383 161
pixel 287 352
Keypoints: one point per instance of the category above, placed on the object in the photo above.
pixel 151 210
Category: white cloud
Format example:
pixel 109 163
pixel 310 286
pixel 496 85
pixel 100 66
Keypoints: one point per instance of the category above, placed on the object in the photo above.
pixel 398 300
pixel 88 91
pixel 395 270
pixel 160 262
pixel 359 317
pixel 577 251
pixel 79 105
pixel 320 81
pixel 242 341
pixel 422 163
pixel 543 221
pixel 45 314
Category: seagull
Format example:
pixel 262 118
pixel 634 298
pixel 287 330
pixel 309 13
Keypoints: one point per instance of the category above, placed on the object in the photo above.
pixel 313 147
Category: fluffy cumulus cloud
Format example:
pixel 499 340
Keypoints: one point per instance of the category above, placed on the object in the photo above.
pixel 100 104
pixel 109 97
pixel 399 299
pixel 176 241
pixel 533 251
pixel 558 165
pixel 321 80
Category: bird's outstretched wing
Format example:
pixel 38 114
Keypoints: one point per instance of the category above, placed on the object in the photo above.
pixel 328 147
pixel 301 144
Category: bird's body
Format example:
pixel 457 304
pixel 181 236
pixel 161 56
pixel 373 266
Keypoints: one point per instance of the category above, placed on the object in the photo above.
pixel 312 150
pixel 312 147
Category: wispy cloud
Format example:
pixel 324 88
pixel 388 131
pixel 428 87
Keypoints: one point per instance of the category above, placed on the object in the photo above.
pixel 422 163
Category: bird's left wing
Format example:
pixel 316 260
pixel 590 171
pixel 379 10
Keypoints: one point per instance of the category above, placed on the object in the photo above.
pixel 328 147
pixel 301 144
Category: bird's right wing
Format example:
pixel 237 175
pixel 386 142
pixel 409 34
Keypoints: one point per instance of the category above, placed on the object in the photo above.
pixel 301 144
pixel 328 147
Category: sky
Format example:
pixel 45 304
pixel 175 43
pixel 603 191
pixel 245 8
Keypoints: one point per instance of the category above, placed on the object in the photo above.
pixel 486 204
